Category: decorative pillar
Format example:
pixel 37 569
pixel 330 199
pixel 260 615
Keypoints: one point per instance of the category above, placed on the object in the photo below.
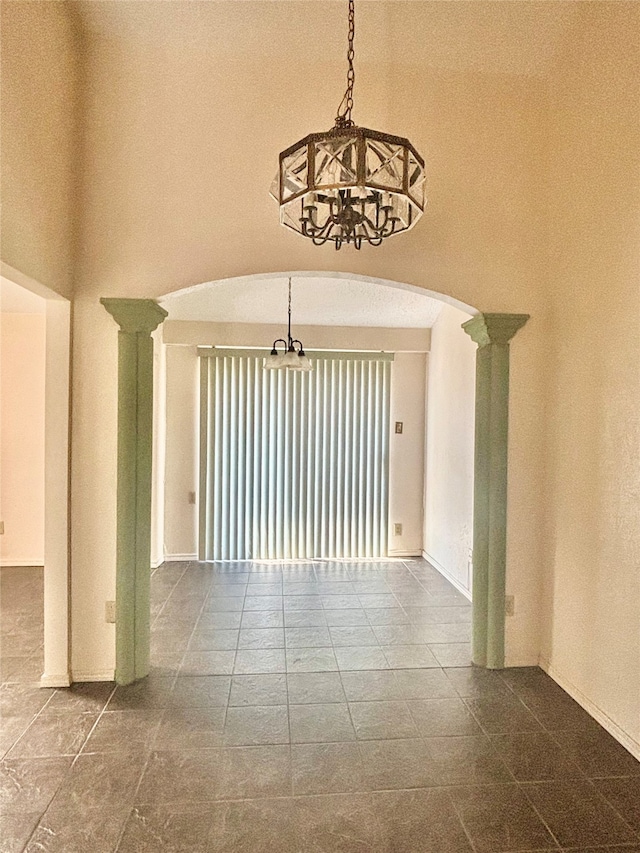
pixel 137 318
pixel 492 333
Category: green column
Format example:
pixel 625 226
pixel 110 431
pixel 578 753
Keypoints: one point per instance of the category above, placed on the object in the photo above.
pixel 492 333
pixel 137 318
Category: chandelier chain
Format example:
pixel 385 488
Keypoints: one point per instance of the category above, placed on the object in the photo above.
pixel 343 119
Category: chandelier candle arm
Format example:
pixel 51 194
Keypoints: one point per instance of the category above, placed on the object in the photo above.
pixel 291 358
pixel 350 184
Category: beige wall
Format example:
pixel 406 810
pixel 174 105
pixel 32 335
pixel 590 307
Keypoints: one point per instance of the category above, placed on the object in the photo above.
pixel 39 81
pixel 22 406
pixel 448 517
pixel 592 637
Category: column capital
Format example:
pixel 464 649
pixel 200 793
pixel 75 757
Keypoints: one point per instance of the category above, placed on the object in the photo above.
pixel 487 329
pixel 135 315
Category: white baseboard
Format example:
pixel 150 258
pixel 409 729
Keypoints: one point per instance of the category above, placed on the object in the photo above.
pixel 440 568
pixel 156 563
pixel 179 558
pixel 61 679
pixel 590 707
pixel 414 553
pixel 37 563
pixel 101 675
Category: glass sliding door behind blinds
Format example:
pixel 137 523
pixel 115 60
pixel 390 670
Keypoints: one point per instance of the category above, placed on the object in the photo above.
pixel 293 465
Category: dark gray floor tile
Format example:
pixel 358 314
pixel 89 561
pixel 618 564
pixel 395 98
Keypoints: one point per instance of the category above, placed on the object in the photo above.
pixel 387 616
pixel 577 814
pixel 28 784
pixel 500 818
pixel 300 638
pixel 259 826
pixel 89 697
pixel 264 589
pixel 15 830
pixel 255 661
pixel 302 602
pixel 420 821
pixel 21 700
pixel 326 768
pixel 270 689
pixel 305 619
pixel 360 658
pixel 179 777
pixel 262 619
pixel 378 600
pixel 217 604
pixel 382 720
pixel 124 732
pixel 397 764
pixel 314 688
pixel 398 635
pixel 473 682
pixel 100 779
pixel 261 638
pixel 597 753
pixel 624 795
pixel 361 635
pixel 409 657
pixel 534 757
pixel 335 588
pixel 255 771
pixel 219 621
pixel 197 691
pixel 451 654
pixel 371 685
pixel 174 827
pixel 208 663
pixel 54 733
pixel 445 615
pixel 77 827
pixel 262 602
pixel 326 723
pixel 148 693
pixel 344 823
pixel 350 617
pixel 10 730
pixel 311 660
pixel 424 684
pixel 256 725
pixel 190 728
pixel 466 761
pixel 213 639
pixel 502 714
pixel 451 632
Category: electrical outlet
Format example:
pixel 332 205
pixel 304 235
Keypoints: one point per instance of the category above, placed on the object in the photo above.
pixel 110 611
pixel 1 527
pixel 397 530
pixel 399 427
pixel 192 497
pixel 509 605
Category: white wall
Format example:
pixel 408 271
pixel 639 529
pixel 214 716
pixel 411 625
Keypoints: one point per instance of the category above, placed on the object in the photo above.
pixel 448 518
pixel 406 452
pixel 22 384
pixel 406 458
pixel 181 452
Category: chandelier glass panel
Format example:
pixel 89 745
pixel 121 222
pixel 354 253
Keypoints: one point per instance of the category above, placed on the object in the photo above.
pixel 350 184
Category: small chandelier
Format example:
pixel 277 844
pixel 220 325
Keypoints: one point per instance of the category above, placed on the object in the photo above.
pixel 350 184
pixel 290 358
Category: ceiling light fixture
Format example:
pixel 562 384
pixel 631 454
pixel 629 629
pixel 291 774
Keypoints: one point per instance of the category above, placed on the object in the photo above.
pixel 350 184
pixel 291 358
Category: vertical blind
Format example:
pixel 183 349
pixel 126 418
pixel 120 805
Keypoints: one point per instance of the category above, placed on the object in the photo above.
pixel 293 465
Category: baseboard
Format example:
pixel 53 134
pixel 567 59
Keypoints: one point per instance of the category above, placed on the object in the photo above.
pixel 156 563
pixel 629 743
pixel 414 553
pixel 440 568
pixel 102 675
pixel 38 563
pixel 179 558
pixel 61 679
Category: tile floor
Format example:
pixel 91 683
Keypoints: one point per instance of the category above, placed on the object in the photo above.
pixel 303 708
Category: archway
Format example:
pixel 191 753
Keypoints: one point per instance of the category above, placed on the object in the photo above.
pixel 492 333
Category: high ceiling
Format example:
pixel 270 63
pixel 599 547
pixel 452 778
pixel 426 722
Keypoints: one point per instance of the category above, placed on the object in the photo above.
pixel 316 301
pixel 499 36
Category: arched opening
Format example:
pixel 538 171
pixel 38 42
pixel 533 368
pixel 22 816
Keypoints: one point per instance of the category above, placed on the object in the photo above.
pixel 335 312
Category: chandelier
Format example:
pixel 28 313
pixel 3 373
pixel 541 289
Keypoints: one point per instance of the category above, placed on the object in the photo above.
pixel 290 358
pixel 350 184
